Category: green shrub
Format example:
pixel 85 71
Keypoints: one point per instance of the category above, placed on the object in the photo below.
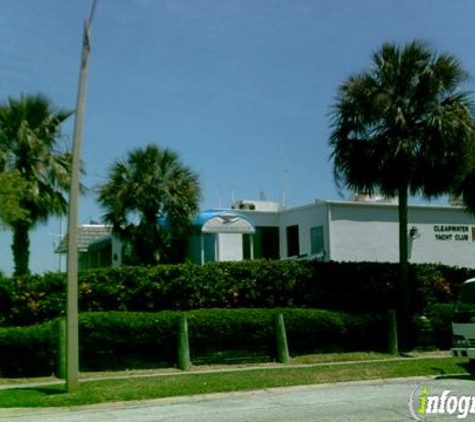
pixel 439 316
pixel 353 287
pixel 7 291
pixel 350 286
pixel 431 286
pixel 38 298
pixel 28 351
pixel 455 276
pixel 314 331
pixel 121 340
pixel 219 334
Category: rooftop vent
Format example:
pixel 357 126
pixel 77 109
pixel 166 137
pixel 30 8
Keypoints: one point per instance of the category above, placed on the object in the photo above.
pixel 250 205
pixel 374 199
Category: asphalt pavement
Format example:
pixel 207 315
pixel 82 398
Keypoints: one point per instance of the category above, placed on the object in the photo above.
pixel 362 401
pixel 381 400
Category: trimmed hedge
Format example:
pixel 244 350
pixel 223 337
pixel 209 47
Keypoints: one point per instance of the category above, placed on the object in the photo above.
pixel 439 316
pixel 28 351
pixel 219 335
pixel 130 340
pixel 356 287
pixel 120 340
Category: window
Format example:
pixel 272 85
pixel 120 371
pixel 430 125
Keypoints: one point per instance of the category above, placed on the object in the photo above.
pixel 270 242
pixel 266 243
pixel 316 240
pixel 293 243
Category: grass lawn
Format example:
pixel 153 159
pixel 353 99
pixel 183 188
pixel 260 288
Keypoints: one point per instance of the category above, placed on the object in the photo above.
pixel 150 386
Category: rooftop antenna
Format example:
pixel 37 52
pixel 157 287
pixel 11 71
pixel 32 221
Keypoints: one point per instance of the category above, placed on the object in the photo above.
pixel 283 193
pixel 233 195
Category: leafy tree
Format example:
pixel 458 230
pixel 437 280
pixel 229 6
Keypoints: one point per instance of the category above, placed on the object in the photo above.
pixel 464 191
pixel 12 188
pixel 403 127
pixel 29 135
pixel 151 184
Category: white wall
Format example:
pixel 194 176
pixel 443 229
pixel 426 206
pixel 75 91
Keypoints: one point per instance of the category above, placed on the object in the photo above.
pixel 262 219
pixel 305 217
pixel 361 231
pixel 364 232
pixel 446 235
pixel 230 247
pixel 369 232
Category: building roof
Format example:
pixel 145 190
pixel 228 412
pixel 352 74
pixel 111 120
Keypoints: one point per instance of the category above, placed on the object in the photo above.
pixel 87 234
pixel 223 221
pixel 211 221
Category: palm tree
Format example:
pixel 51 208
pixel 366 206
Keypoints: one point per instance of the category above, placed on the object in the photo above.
pixel 12 189
pixel 151 184
pixel 29 134
pixel 400 128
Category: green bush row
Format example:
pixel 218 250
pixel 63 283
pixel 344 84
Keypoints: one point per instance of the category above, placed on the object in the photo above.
pixel 28 351
pixel 439 317
pixel 358 287
pixel 120 340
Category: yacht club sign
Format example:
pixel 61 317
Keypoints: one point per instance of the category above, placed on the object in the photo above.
pixel 454 232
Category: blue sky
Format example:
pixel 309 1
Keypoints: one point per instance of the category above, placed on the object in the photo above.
pixel 241 89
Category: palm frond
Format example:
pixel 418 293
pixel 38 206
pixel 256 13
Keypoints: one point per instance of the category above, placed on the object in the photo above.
pixel 148 184
pixel 404 122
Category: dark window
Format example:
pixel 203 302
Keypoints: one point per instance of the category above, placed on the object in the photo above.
pixel 316 240
pixel 246 246
pixel 270 243
pixel 266 243
pixel 293 244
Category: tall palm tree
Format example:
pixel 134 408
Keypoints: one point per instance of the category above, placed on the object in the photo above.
pixel 400 128
pixel 149 185
pixel 29 135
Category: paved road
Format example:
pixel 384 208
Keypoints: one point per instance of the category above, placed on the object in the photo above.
pixel 384 401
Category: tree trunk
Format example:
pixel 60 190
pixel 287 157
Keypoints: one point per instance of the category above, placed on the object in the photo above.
pixel 21 248
pixel 403 285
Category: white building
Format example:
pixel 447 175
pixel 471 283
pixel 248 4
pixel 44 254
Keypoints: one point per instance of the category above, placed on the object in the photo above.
pixel 358 230
pixel 96 247
pixel 369 231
